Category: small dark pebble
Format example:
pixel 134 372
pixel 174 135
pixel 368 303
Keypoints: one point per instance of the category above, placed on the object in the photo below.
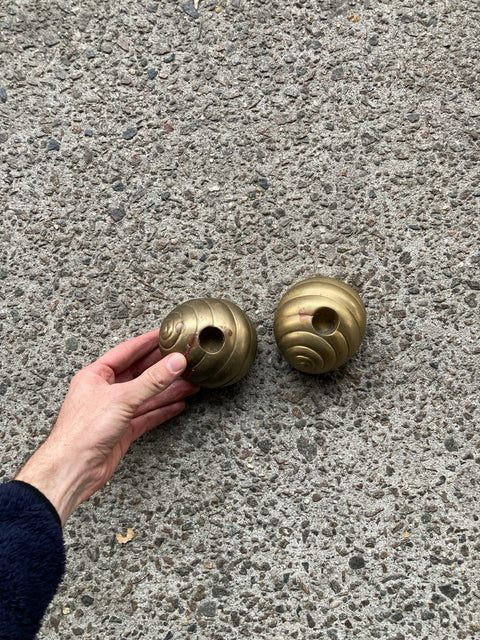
pixel 88 133
pixel 119 186
pixel 367 139
pixel 87 600
pixel 190 10
pixel 413 117
pixel 448 590
pixel 427 615
pixel 450 444
pixel 152 73
pixel 165 195
pixel 3 94
pixel 219 591
pixel 51 39
pixel 307 448
pixel 169 636
pixel 90 53
pixel 117 213
pixel 129 133
pixel 53 145
pixel 169 58
pixel 265 445
pixel 337 73
pixel 263 182
pixel 311 622
pixel 71 344
pixel 207 609
pixel 356 562
pixel 434 365
pixel 373 41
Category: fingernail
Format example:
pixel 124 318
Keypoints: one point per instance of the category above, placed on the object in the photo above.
pixel 176 363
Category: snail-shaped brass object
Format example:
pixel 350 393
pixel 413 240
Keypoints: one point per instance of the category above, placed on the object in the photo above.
pixel 319 324
pixel 216 337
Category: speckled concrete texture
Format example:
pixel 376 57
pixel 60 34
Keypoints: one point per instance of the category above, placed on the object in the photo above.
pixel 153 152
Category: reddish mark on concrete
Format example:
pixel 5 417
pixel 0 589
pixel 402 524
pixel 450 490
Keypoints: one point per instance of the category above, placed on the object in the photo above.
pixel 229 332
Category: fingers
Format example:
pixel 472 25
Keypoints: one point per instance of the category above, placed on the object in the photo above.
pixel 176 391
pixel 154 379
pixel 139 366
pixel 150 420
pixel 125 354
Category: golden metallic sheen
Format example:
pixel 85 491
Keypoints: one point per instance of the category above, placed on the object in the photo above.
pixel 319 324
pixel 217 338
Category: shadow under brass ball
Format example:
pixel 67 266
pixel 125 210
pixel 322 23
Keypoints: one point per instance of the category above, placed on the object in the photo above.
pixel 216 337
pixel 319 324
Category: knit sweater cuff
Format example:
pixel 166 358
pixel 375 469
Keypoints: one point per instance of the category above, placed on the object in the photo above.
pixel 32 559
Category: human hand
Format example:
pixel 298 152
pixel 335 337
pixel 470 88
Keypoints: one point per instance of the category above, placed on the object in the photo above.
pixel 109 404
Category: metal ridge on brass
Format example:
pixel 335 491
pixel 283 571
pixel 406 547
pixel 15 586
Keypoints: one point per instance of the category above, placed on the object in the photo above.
pixel 217 338
pixel 319 324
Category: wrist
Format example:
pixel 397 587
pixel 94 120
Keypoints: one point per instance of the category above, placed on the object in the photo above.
pixel 59 480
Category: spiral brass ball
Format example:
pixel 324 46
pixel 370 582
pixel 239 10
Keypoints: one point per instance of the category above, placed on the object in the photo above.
pixel 319 324
pixel 216 337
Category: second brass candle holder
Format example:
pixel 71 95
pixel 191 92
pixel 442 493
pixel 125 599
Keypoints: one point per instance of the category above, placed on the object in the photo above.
pixel 319 324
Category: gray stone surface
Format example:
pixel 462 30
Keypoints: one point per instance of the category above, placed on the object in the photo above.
pixel 155 151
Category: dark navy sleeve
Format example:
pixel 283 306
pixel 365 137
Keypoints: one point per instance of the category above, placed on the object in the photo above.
pixel 32 559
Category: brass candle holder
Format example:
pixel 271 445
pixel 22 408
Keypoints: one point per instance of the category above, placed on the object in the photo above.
pixel 319 324
pixel 217 338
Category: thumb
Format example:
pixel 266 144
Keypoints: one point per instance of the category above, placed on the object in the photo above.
pixel 156 378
